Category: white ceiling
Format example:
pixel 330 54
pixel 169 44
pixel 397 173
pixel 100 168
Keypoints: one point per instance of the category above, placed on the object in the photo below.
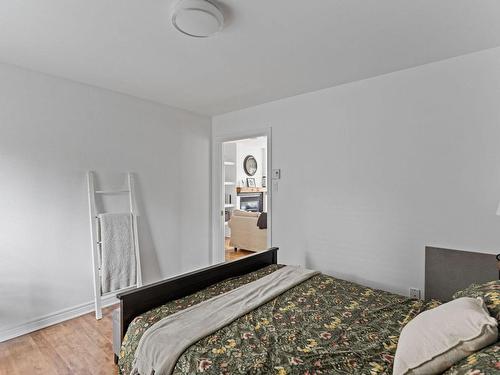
pixel 269 49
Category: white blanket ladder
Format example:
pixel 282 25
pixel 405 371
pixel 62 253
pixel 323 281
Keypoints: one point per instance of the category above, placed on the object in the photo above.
pixel 95 236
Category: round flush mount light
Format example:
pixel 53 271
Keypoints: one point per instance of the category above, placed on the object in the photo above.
pixel 197 18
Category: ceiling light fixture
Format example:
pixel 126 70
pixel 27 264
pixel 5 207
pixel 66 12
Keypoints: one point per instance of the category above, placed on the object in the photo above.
pixel 197 18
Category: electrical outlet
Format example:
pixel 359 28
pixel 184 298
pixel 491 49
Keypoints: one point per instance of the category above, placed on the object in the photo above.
pixel 415 293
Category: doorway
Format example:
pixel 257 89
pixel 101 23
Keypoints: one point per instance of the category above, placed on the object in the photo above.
pixel 243 227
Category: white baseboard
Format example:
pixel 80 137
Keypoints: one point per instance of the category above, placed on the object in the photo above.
pixel 54 318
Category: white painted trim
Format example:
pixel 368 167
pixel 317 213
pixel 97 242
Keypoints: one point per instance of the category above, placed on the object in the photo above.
pixel 217 240
pixel 54 318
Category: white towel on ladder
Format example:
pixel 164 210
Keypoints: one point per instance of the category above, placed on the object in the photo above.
pixel 118 263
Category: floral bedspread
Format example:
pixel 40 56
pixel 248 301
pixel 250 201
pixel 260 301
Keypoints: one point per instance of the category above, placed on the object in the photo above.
pixel 141 323
pixel 483 362
pixel 322 326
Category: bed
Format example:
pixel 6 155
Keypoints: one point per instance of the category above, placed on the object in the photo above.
pixel 323 325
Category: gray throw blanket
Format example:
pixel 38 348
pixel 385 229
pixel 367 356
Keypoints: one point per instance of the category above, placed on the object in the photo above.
pixel 118 265
pixel 164 342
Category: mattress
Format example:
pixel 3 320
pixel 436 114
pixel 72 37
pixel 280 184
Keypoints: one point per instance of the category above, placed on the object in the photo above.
pixel 324 325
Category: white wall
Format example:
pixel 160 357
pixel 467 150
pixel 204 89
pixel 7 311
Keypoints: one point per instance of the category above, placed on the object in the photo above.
pixel 375 170
pixel 255 147
pixel 51 132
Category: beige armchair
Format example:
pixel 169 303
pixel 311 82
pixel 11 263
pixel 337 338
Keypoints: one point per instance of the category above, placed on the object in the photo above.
pixel 245 234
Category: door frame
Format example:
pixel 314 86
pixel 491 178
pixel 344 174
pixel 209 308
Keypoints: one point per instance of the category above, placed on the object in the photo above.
pixel 217 254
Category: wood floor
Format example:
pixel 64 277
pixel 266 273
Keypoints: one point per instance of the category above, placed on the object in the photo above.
pixel 78 346
pixel 232 255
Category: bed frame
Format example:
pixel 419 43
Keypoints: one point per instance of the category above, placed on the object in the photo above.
pixel 138 301
pixel 446 271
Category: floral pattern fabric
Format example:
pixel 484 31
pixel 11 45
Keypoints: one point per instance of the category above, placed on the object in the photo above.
pixel 141 323
pixel 482 362
pixel 487 360
pixel 322 326
pixel 489 292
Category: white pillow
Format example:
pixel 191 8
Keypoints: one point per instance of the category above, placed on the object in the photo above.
pixel 434 340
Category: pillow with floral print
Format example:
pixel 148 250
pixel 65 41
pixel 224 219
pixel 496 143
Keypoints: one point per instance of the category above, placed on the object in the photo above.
pixel 489 292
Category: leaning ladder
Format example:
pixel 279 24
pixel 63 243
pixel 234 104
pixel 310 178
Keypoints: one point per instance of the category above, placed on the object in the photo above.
pixel 96 238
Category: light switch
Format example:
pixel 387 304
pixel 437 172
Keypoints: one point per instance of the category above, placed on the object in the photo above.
pixel 276 174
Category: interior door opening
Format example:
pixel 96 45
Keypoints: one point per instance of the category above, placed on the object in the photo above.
pixel 245 196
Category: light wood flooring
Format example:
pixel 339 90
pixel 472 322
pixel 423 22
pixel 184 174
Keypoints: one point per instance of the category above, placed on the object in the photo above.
pixel 78 346
pixel 233 255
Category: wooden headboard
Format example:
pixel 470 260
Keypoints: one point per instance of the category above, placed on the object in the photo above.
pixel 447 271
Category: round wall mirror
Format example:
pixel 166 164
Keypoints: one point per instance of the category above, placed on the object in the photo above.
pixel 250 165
